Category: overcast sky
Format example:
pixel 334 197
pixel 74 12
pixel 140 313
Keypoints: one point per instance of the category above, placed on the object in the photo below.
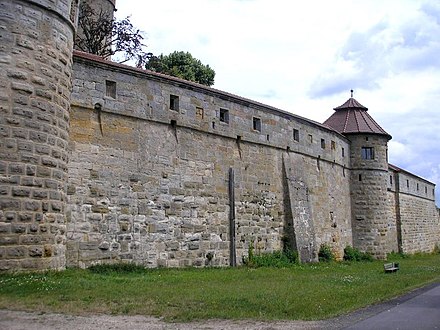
pixel 305 56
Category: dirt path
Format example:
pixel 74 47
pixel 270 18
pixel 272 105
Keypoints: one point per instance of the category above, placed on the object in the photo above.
pixel 16 320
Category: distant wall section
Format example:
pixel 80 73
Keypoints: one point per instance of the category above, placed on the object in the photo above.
pixel 415 211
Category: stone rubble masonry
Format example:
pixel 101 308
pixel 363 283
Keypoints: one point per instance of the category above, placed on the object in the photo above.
pixel 150 184
pixel 35 86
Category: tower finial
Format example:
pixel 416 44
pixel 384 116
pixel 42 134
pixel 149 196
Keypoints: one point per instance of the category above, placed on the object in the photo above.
pixel 351 92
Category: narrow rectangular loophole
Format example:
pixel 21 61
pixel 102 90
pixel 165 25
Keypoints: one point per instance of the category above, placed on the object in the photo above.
pixel 267 137
pixel 310 138
pixel 174 102
pixel 110 89
pixel 360 177
pixel 296 135
pixel 333 145
pixel 224 115
pixel 322 143
pixel 256 124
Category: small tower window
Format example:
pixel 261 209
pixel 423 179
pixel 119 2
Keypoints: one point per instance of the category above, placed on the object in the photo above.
pixel 407 183
pixel 110 89
pixel 343 152
pixel 311 138
pixel 367 153
pixel 296 135
pixel 224 115
pixel 256 124
pixel 333 145
pixel 391 179
pixel 322 143
pixel 174 102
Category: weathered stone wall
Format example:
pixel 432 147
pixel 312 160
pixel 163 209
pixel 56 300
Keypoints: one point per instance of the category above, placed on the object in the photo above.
pixel 150 184
pixel 394 220
pixel 420 224
pixel 35 84
pixel 414 205
pixel 321 208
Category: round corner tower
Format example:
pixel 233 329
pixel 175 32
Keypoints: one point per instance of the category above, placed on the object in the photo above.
pixel 36 42
pixel 369 175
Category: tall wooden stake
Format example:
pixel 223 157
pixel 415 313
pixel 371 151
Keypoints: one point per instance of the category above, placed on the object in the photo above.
pixel 232 255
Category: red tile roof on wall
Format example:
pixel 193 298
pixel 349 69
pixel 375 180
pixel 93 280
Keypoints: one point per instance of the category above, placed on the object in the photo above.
pixel 352 118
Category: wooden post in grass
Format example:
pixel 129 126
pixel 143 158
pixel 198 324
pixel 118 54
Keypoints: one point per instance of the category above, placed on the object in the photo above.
pixel 232 256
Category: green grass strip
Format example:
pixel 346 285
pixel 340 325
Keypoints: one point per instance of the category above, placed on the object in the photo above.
pixel 299 292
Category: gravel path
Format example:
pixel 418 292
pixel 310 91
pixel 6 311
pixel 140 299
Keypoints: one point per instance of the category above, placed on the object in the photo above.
pixel 16 320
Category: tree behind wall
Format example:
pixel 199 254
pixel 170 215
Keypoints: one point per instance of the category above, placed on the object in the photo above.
pixel 182 65
pixel 100 34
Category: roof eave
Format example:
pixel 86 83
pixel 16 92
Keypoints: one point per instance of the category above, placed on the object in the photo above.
pixel 369 133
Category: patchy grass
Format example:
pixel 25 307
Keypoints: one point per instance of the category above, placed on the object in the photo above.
pixel 306 292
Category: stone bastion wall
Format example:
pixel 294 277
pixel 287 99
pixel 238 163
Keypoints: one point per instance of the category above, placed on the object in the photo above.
pixel 149 173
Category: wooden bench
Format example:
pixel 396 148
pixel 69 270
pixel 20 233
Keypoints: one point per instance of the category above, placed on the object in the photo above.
pixel 391 267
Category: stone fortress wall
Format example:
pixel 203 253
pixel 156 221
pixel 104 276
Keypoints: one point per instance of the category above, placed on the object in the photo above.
pixel 150 183
pixel 101 162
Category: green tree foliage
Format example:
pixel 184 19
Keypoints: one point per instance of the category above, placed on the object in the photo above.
pixel 182 65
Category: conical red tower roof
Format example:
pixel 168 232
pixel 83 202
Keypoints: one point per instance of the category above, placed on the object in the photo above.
pixel 352 118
